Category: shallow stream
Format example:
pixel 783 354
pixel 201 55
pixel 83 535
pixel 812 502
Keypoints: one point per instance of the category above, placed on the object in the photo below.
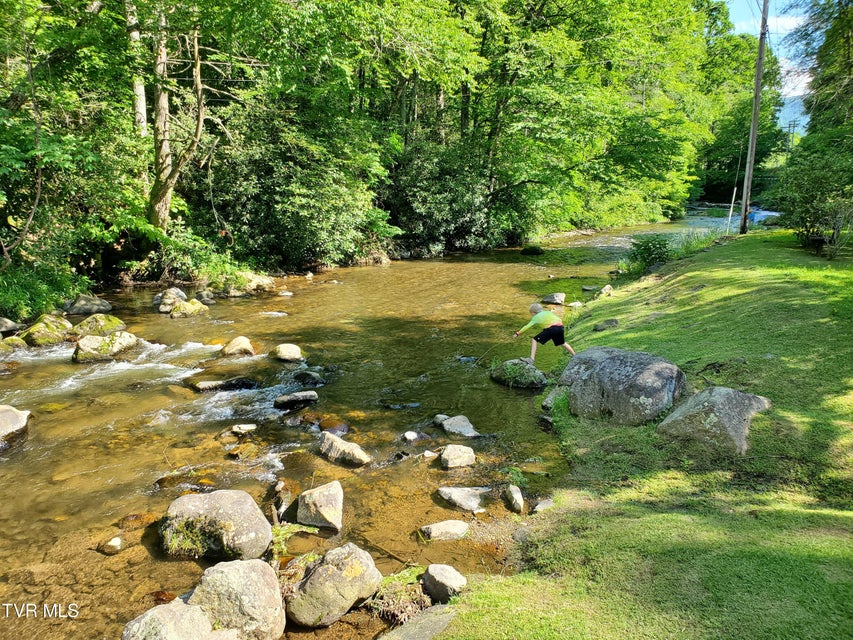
pixel 397 345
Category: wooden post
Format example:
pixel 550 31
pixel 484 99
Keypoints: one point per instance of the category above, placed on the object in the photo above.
pixel 753 129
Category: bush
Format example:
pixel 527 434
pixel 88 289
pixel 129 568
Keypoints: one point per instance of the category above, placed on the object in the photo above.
pixel 29 290
pixel 649 249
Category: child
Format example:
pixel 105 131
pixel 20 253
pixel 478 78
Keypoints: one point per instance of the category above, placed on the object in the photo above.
pixel 550 327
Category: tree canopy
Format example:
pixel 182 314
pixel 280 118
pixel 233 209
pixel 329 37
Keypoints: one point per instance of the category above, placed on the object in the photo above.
pixel 177 139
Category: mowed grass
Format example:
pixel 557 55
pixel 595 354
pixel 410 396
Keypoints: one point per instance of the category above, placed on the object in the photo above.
pixel 647 541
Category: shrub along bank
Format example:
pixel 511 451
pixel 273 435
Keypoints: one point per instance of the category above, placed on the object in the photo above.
pixel 647 543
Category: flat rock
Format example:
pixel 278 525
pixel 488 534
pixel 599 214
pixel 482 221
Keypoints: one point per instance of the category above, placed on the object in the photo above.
pixel 7 326
pixel 424 625
pixel 554 298
pixel 606 324
pixel 294 401
pixel 467 498
pixel 236 383
pixel 445 530
pixel 459 425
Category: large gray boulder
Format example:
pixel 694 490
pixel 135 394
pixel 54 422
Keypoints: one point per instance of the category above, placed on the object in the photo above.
pixel 520 373
pixel 174 621
pixel 86 305
pixel 244 595
pixel 98 348
pixel 223 524
pixel 554 298
pixel 322 506
pixel 627 388
pixel 716 419
pixel 47 330
pixel 13 426
pixel 344 578
pixel 339 450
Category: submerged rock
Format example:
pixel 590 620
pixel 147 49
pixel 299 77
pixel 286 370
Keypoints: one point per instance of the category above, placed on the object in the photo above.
pixel 242 595
pixel 344 578
pixel 445 530
pixel 457 425
pixel 554 298
pixel 467 498
pixel 223 524
pixel 716 419
pixel 13 426
pixel 188 309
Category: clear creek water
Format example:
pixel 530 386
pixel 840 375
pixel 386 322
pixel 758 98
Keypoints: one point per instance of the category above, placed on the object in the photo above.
pixel 397 345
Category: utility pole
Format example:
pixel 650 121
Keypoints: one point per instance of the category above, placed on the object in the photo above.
pixel 753 129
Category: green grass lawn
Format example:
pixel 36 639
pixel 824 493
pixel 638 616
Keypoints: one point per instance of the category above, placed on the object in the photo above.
pixel 648 542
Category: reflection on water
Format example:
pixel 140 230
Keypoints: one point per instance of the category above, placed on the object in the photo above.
pixel 396 345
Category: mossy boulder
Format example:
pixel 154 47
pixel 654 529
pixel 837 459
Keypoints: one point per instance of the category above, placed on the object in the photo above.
pixel 518 373
pixel 225 524
pixel 99 324
pixel 98 348
pixel 47 330
pixel 188 309
pixel 15 342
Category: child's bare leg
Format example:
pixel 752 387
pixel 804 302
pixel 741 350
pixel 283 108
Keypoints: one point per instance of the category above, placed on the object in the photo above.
pixel 569 348
pixel 533 350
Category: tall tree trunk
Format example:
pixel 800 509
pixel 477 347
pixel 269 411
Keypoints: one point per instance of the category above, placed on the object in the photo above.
pixel 160 198
pixel 167 168
pixel 140 114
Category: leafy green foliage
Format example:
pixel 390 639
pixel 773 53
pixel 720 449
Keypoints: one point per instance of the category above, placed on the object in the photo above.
pixel 28 290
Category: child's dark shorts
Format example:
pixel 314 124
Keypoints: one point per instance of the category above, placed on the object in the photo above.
pixel 555 332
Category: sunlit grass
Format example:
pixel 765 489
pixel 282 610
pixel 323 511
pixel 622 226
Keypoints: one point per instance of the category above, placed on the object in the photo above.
pixel 648 542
